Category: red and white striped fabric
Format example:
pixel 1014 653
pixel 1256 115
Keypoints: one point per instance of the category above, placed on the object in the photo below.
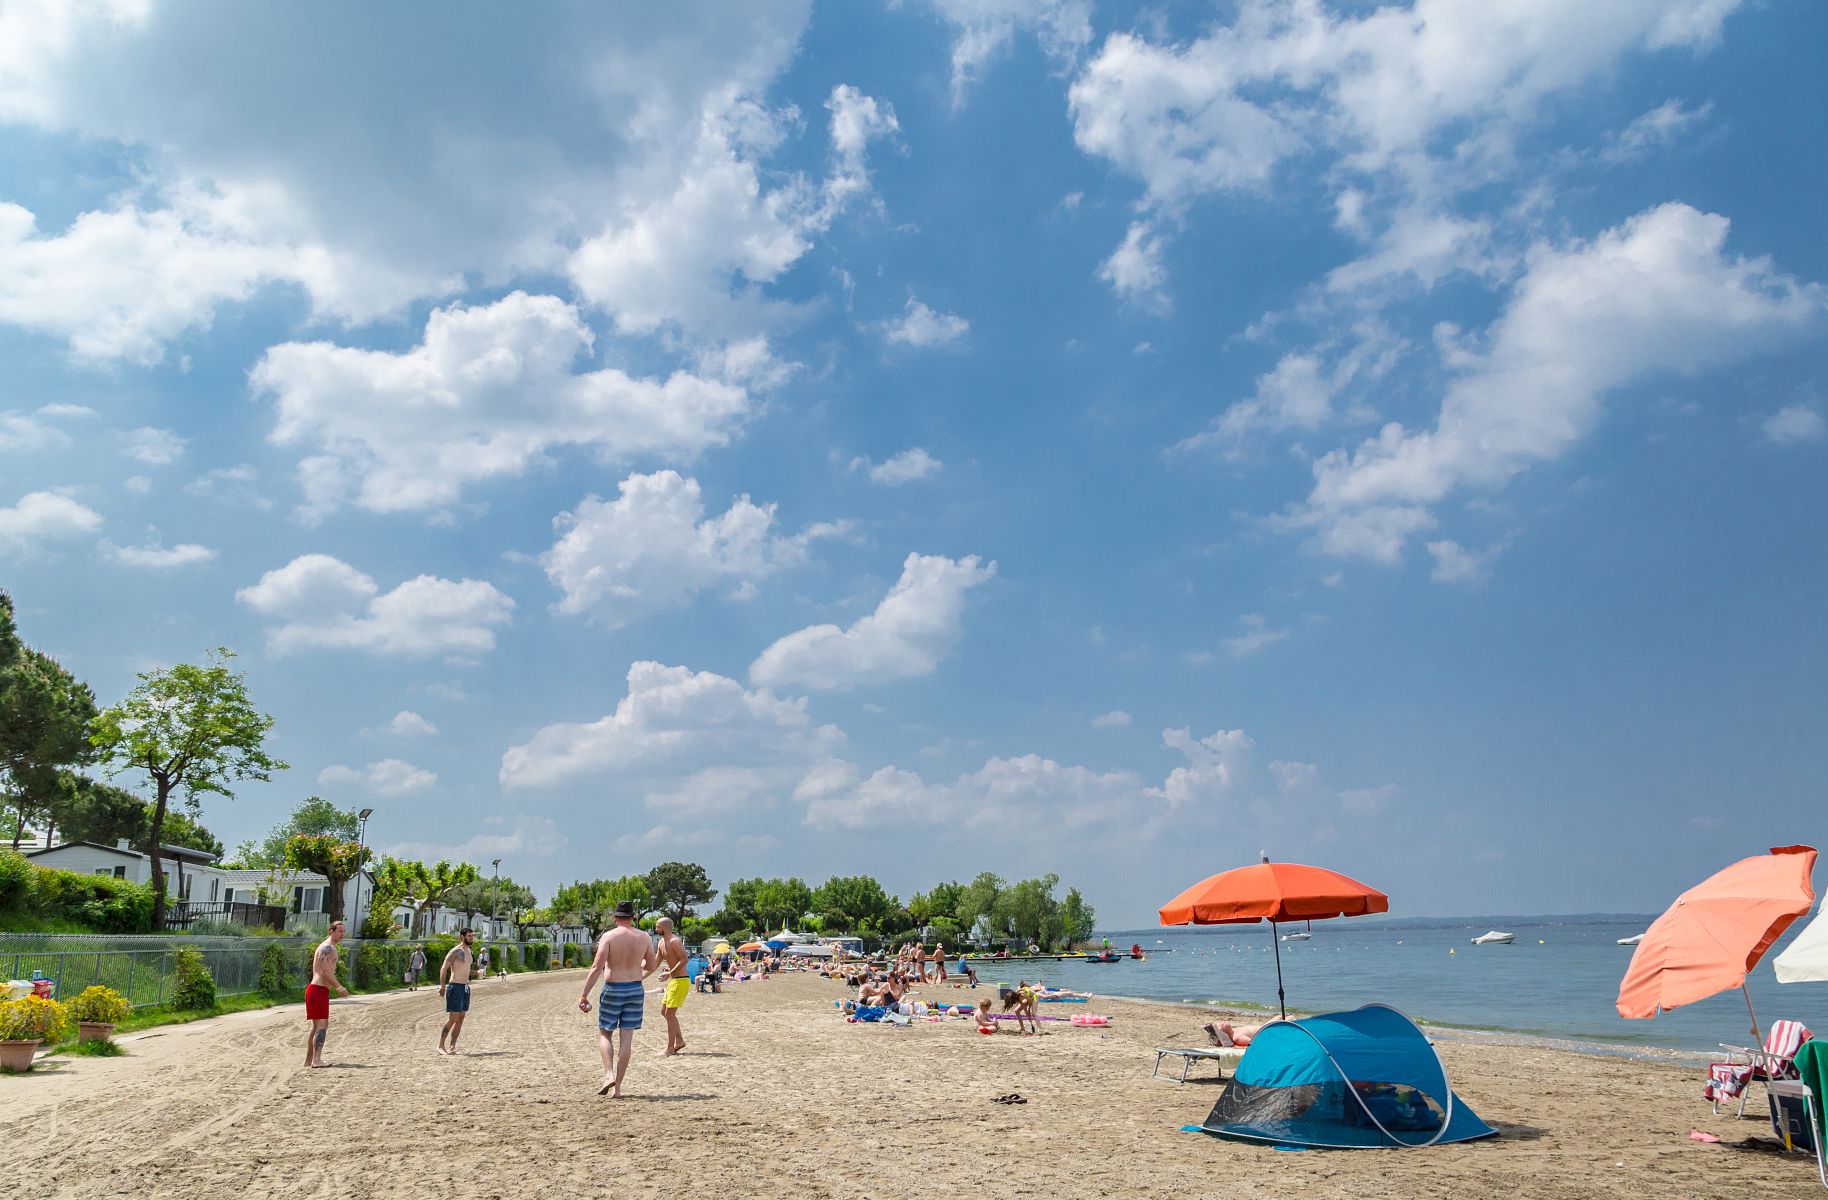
pixel 1726 1080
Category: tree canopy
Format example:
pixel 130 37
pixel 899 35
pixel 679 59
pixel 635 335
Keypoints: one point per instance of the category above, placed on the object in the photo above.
pixel 677 887
pixel 591 903
pixel 336 860
pixel 313 817
pixel 195 732
pixel 102 813
pixel 44 718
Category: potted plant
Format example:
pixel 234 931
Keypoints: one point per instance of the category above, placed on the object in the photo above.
pixel 97 1011
pixel 23 1024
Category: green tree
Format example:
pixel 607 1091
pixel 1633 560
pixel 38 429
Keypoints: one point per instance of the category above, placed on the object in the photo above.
pixel 421 886
pixel 591 903
pixel 102 813
pixel 676 887
pixel 44 718
pixel 944 899
pixel 740 905
pixel 336 860
pixel 314 817
pixel 781 901
pixel 194 731
pixel 977 901
pixel 1076 917
pixel 853 902
pixel 1028 910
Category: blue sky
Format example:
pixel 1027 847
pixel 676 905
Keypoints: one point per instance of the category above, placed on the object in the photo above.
pixel 943 437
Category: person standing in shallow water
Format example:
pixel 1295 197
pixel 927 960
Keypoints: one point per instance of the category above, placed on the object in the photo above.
pixel 625 957
pixel 317 995
pixel 454 986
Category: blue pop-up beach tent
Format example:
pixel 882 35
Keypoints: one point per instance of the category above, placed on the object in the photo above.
pixel 1342 1080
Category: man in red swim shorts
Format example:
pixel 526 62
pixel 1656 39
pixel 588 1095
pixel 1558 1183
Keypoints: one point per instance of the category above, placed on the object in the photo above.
pixel 317 995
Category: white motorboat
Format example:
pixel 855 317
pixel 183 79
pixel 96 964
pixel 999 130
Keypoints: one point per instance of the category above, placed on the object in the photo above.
pixel 1631 941
pixel 1494 938
pixel 1296 937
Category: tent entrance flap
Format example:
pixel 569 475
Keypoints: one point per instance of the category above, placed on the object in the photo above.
pixel 1365 1078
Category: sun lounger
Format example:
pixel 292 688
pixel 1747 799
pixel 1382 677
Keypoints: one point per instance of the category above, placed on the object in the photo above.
pixel 1731 1079
pixel 1191 1054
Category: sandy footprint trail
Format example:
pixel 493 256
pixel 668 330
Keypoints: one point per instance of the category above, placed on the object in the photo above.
pixel 226 1108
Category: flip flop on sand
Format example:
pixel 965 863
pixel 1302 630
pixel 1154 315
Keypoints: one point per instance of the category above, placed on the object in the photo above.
pixel 1011 1098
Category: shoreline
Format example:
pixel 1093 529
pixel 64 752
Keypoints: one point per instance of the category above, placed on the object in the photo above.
pixel 1491 1035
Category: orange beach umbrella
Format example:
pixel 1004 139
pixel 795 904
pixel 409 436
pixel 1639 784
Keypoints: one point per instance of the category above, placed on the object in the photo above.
pixel 747 947
pixel 1273 892
pixel 1717 931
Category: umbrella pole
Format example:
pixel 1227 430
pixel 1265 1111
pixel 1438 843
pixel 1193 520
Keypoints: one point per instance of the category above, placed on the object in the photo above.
pixel 1757 1037
pixel 1276 942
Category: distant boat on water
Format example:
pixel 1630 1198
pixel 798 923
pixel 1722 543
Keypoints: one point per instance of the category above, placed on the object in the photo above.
pixel 1632 940
pixel 1296 937
pixel 1494 938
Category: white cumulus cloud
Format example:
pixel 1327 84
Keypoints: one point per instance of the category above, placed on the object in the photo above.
pixel 159 557
pixel 915 626
pixel 488 393
pixel 389 777
pixel 322 602
pixel 407 723
pixel 41 517
pixel 1657 293
pixel 653 547
pixel 672 724
pixel 1117 718
pixel 922 327
pixel 1795 423
pixel 909 466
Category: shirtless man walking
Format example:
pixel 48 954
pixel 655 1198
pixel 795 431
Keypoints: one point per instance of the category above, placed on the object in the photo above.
pixel 625 957
pixel 454 986
pixel 678 984
pixel 317 995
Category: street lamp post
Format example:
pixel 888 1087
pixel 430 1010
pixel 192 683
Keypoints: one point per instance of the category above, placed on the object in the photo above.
pixel 494 907
pixel 361 844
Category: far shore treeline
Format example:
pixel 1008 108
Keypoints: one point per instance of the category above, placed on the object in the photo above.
pixel 192 732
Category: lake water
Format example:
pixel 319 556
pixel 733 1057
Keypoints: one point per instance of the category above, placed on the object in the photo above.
pixel 1559 979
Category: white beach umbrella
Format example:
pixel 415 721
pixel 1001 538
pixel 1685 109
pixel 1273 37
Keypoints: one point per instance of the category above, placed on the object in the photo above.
pixel 1806 961
pixel 787 936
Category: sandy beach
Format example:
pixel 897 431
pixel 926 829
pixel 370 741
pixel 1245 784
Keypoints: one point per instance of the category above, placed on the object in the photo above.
pixel 224 1107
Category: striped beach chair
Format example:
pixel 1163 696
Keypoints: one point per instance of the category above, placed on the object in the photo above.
pixel 1747 1064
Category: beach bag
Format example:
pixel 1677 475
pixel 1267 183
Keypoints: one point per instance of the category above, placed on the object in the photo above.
pixel 871 1012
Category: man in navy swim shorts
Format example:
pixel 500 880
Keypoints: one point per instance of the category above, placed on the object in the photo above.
pixel 625 958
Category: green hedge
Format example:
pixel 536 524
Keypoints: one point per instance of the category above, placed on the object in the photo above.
pixel 15 879
pixel 102 902
pixel 193 987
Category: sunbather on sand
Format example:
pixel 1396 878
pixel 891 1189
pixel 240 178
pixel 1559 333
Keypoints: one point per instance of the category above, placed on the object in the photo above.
pixel 1225 1034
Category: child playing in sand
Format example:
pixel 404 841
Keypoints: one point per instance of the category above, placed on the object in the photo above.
pixel 985 1022
pixel 1027 1007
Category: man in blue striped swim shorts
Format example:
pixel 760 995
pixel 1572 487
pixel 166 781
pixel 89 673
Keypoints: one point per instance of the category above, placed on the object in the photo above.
pixel 625 958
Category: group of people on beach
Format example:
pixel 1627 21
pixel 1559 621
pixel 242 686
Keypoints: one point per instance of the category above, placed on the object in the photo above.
pixel 626 956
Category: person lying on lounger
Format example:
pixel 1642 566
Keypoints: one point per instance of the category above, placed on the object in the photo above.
pixel 1224 1034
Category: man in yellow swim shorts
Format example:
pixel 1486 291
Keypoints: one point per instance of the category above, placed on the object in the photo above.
pixel 678 984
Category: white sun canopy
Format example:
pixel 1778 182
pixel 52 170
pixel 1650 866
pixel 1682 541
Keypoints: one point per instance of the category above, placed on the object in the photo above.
pixel 1806 960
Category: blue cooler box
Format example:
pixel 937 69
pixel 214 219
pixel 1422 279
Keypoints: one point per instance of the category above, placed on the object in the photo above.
pixel 1790 1118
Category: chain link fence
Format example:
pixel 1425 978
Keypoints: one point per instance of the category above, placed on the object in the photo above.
pixel 140 967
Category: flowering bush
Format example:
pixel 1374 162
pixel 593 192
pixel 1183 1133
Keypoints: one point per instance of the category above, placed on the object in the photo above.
pixel 31 1019
pixel 102 1005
